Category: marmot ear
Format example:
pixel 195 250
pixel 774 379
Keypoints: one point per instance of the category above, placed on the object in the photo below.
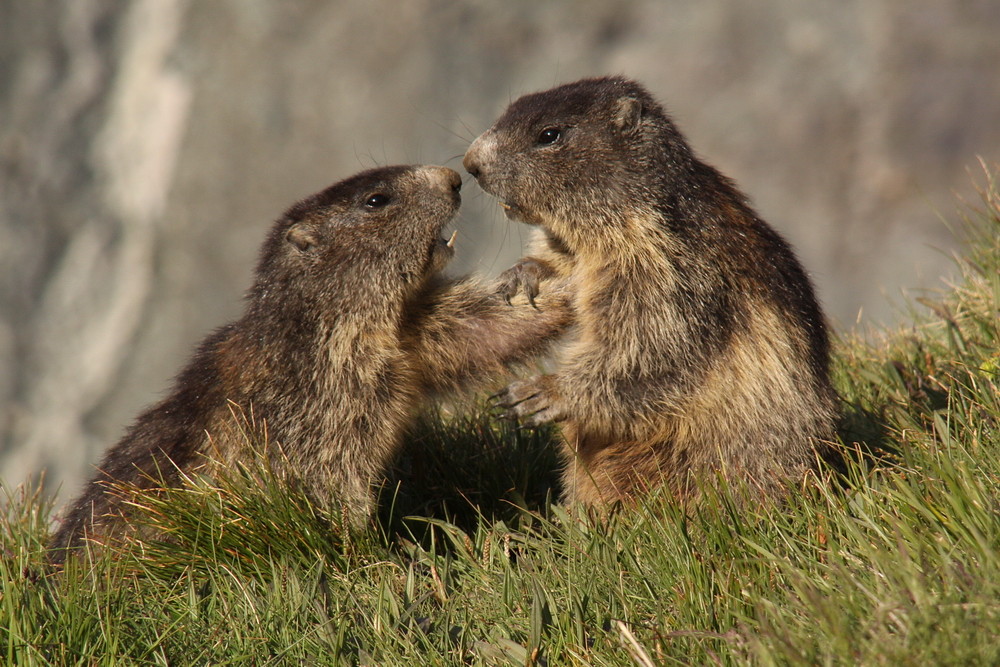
pixel 303 238
pixel 628 114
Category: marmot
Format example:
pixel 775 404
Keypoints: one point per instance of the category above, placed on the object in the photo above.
pixel 700 348
pixel 347 327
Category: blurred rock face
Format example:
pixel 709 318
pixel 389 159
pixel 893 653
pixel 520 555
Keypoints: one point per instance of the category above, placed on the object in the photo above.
pixel 146 145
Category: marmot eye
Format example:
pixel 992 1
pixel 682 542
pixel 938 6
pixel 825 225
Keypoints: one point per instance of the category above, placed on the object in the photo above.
pixel 549 135
pixel 377 200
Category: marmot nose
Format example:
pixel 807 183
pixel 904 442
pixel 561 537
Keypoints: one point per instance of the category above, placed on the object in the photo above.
pixel 454 180
pixel 443 177
pixel 471 161
pixel 471 166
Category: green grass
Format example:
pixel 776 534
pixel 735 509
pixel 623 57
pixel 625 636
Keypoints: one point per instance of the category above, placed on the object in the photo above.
pixel 891 558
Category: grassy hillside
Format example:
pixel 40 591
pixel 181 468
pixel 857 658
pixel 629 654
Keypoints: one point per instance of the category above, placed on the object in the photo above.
pixel 893 557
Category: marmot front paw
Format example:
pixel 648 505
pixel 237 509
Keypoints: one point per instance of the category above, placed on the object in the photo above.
pixel 524 276
pixel 532 402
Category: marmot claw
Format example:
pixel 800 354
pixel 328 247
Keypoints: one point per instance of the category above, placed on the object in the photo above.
pixel 524 276
pixel 528 402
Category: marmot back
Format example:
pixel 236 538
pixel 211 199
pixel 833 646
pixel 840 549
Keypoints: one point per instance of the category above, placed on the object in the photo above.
pixel 700 347
pixel 347 328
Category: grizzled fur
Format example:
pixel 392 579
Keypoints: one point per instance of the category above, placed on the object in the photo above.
pixel 347 328
pixel 699 348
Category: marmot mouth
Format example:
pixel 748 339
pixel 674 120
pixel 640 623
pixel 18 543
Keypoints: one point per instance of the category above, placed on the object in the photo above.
pixel 511 211
pixel 441 253
pixel 516 213
pixel 450 243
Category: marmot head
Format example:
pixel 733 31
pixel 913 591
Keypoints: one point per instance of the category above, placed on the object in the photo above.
pixel 374 237
pixel 577 158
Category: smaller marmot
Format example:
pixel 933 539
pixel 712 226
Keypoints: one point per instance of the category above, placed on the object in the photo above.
pixel 699 347
pixel 347 329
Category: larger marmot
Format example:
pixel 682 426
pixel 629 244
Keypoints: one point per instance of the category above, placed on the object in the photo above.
pixel 347 328
pixel 700 348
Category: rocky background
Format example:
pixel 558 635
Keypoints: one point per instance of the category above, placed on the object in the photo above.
pixel 146 145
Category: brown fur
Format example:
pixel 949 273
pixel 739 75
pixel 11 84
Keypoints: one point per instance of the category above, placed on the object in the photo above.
pixel 699 348
pixel 347 328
